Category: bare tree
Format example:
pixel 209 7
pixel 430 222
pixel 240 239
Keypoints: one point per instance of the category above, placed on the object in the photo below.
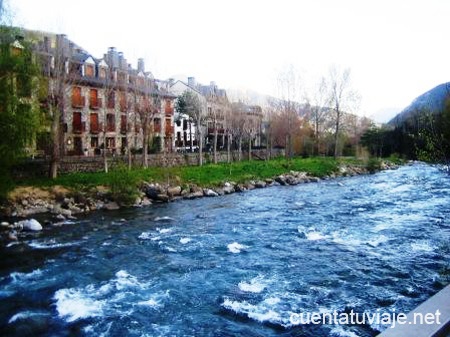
pixel 342 98
pixel 149 107
pixel 319 105
pixel 58 88
pixel 287 106
pixel 213 116
pixel 238 125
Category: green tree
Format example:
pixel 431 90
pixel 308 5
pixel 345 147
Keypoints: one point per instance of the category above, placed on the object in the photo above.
pixel 19 114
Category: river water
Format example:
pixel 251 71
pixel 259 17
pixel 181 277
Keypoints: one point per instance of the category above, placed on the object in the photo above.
pixel 237 265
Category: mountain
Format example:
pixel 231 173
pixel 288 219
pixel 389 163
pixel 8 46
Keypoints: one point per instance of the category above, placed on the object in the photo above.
pixel 432 101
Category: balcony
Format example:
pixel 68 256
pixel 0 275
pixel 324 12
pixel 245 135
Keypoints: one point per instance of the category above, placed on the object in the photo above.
pixel 123 129
pixel 169 130
pixel 110 127
pixel 95 104
pixel 78 102
pixel 96 128
pixel 78 128
pixel 219 131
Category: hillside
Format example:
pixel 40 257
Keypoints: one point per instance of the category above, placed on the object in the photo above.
pixel 432 101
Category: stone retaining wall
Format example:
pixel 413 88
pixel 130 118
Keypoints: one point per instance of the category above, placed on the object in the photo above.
pixel 39 167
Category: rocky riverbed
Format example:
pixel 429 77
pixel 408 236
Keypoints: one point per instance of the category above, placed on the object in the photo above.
pixel 61 205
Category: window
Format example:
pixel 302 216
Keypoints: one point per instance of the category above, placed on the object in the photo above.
pixel 94 142
pixel 77 99
pixel 185 124
pixel 111 100
pixel 169 127
pixel 123 124
pixel 89 70
pixel 110 123
pixel 157 125
pixel 77 125
pixel 102 72
pixel 123 101
pixel 94 101
pixel 94 123
pixel 110 143
pixel 122 77
pixel 75 68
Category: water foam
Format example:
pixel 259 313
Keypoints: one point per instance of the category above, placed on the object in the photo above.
pixel 74 304
pixel 315 236
pixel 19 277
pixel 260 314
pixel 164 218
pixel 236 248
pixel 422 246
pixel 256 285
pixel 50 244
pixel 23 315
pixel 145 236
pixel 185 240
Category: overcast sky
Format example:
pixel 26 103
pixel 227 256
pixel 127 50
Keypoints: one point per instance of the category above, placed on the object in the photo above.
pixel 395 49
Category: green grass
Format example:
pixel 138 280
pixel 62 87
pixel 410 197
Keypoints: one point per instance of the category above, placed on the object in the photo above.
pixel 207 175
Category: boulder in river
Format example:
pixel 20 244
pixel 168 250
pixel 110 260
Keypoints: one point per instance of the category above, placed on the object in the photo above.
pixel 207 192
pixel 30 225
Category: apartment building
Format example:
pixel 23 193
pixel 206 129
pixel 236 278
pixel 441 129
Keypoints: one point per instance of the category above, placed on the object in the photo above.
pixel 104 104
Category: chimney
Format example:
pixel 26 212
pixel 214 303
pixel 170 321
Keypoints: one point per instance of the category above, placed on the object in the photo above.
pixel 123 64
pixel 113 57
pixel 191 82
pixel 141 65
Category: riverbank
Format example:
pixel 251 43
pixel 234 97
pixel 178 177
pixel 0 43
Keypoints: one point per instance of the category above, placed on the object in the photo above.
pixel 74 194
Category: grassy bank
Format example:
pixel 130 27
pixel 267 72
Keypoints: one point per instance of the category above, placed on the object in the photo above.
pixel 207 175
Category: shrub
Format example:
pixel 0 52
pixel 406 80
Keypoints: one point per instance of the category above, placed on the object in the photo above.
pixel 123 186
pixel 373 165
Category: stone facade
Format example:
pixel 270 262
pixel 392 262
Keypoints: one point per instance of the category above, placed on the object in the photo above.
pixel 105 103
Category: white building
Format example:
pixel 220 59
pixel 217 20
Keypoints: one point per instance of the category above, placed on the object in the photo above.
pixel 185 128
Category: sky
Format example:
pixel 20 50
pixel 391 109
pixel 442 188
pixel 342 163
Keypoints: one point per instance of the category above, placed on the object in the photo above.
pixel 396 49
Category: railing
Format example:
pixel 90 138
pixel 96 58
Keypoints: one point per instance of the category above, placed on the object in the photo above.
pixel 110 128
pixel 219 131
pixel 95 104
pixel 437 308
pixel 123 129
pixel 169 130
pixel 78 127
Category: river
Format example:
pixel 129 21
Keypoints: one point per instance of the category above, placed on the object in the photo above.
pixel 237 265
